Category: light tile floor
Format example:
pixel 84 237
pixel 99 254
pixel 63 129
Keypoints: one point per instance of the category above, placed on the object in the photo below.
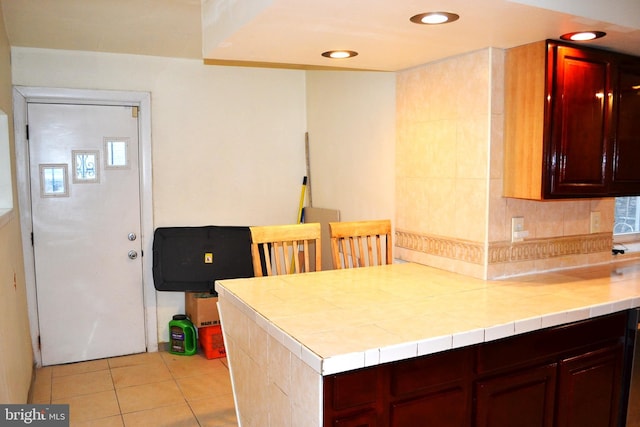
pixel 148 389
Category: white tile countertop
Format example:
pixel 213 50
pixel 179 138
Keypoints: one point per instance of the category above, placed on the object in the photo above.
pixel 341 320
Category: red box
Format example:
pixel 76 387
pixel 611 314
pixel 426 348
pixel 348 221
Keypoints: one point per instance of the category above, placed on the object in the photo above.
pixel 212 342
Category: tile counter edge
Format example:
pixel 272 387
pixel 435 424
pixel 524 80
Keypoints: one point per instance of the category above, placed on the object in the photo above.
pixel 393 353
pixel 375 356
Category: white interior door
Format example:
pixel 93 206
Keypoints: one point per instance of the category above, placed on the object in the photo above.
pixel 85 197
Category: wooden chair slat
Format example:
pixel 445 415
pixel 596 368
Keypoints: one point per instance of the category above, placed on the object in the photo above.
pixel 360 243
pixel 290 246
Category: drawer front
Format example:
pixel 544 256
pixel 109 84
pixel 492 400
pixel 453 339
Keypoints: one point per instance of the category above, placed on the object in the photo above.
pixel 430 373
pixel 549 344
pixel 352 389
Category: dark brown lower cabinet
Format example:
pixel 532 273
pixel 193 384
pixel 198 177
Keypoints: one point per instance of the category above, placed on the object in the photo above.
pixel 425 391
pixel 524 398
pixel 363 419
pixel 444 408
pixel 589 388
pixel 568 376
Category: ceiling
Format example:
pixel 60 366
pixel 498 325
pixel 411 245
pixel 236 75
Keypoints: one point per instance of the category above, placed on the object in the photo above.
pixel 294 33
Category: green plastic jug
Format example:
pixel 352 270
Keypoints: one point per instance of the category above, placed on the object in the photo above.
pixel 183 336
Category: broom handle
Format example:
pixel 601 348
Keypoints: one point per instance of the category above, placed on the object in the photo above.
pixel 308 161
pixel 302 191
pixel 300 210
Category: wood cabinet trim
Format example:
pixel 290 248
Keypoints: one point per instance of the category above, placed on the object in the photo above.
pixel 525 87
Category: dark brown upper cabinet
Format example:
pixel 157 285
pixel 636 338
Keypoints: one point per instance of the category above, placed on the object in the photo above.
pixel 626 147
pixel 572 122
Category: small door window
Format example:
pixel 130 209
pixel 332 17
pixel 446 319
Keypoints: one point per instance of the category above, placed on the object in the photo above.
pixel 86 166
pixel 53 180
pixel 116 153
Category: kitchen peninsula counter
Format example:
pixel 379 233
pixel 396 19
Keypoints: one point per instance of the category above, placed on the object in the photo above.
pixel 297 329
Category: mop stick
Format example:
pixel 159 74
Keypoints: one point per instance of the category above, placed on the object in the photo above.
pixel 300 210
pixel 308 164
pixel 300 207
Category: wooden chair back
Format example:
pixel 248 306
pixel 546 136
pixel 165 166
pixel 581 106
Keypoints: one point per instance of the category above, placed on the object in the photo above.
pixel 285 249
pixel 360 243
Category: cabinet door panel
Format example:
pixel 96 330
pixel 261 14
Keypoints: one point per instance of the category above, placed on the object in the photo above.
pixel 626 173
pixel 523 399
pixel 443 409
pixel 425 374
pixel 365 419
pixel 589 389
pixel 352 389
pixel 580 129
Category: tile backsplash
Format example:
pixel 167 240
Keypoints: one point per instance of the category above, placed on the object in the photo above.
pixel 449 168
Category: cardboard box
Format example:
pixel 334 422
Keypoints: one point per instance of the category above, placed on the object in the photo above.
pixel 212 342
pixel 201 309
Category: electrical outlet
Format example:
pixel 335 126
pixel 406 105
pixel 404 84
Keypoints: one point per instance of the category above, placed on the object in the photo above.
pixel 518 233
pixel 595 222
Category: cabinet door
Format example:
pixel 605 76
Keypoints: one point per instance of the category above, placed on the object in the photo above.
pixel 589 389
pixel 579 146
pixel 447 408
pixel 365 419
pixel 351 398
pixel 523 399
pixel 436 390
pixel 626 158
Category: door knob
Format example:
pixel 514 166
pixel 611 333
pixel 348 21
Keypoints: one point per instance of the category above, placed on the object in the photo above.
pixel 133 254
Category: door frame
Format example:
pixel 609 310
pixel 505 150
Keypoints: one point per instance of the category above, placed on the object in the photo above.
pixel 22 95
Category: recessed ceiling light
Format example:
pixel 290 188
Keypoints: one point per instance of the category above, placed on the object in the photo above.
pixel 434 18
pixel 339 54
pixel 581 36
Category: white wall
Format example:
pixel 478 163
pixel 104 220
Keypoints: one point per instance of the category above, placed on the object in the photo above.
pixel 228 142
pixel 351 122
